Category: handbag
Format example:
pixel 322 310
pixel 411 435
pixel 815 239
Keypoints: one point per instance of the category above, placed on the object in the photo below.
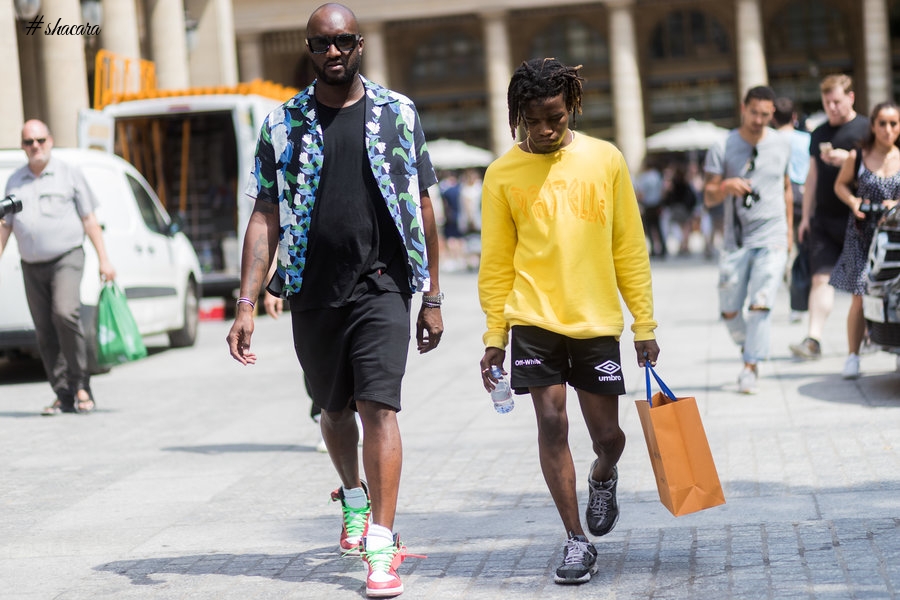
pixel 685 473
pixel 118 337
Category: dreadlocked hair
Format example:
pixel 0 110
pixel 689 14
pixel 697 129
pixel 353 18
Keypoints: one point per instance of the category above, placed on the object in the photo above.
pixel 541 78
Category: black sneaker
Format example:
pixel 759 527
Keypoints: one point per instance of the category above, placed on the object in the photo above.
pixel 579 561
pixel 602 509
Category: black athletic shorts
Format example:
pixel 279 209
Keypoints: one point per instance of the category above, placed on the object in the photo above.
pixel 354 352
pixel 826 241
pixel 540 358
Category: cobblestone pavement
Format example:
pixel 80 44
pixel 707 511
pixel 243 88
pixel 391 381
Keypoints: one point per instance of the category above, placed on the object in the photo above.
pixel 198 478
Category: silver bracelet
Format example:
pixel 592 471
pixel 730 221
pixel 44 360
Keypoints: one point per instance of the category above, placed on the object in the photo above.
pixel 243 300
pixel 434 300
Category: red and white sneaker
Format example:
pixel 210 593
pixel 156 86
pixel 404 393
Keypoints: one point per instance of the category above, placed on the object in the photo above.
pixel 382 580
pixel 356 521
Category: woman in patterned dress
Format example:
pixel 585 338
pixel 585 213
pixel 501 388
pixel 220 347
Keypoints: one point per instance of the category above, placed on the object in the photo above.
pixel 877 179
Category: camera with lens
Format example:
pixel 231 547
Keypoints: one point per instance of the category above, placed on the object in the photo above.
pixel 750 198
pixel 872 210
pixel 10 205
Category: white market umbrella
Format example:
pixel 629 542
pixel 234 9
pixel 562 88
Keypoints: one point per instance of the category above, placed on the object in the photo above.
pixel 686 136
pixel 456 154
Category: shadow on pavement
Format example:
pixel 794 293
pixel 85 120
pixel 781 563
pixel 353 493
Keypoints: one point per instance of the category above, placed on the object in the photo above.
pixel 284 567
pixel 231 448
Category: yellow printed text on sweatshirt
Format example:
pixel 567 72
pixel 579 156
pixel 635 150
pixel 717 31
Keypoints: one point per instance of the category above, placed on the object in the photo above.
pixel 561 239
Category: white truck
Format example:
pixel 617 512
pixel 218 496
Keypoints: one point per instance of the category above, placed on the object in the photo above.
pixel 196 149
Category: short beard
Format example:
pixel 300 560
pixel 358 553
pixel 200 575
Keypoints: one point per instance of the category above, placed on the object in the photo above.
pixel 351 70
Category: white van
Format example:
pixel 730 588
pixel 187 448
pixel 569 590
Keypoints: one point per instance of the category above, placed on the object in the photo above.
pixel 155 264
pixel 197 151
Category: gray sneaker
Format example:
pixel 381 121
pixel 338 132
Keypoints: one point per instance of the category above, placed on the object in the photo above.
pixel 579 561
pixel 808 349
pixel 602 509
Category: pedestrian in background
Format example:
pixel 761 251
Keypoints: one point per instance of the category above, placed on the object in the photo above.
pixel 783 121
pixel 561 239
pixel 748 171
pixel 57 212
pixel 867 185
pixel 356 237
pixel 648 188
pixel 680 201
pixel 824 220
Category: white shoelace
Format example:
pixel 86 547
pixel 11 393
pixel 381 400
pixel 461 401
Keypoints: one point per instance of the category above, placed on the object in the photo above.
pixel 600 501
pixel 575 551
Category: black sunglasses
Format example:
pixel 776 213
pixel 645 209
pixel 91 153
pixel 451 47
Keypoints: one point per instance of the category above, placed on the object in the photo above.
pixel 751 165
pixel 753 195
pixel 30 141
pixel 344 42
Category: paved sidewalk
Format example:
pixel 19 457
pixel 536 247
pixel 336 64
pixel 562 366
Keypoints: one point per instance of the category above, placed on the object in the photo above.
pixel 198 478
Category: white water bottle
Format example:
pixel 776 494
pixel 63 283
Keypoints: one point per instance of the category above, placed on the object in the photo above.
pixel 501 394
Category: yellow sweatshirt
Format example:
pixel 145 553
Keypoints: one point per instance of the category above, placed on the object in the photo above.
pixel 561 237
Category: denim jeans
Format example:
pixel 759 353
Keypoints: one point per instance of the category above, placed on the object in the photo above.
pixel 750 277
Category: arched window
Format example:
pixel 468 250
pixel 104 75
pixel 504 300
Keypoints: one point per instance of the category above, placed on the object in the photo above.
pixel 690 74
pixel 448 55
pixel 445 77
pixel 805 41
pixel 572 42
pixel 894 23
pixel 688 34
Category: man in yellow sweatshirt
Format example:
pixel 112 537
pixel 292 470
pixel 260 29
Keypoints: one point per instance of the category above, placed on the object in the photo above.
pixel 561 239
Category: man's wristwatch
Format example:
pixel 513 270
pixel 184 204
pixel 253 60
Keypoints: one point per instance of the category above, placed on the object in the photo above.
pixel 433 301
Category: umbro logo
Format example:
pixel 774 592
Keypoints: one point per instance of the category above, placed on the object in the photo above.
pixel 609 367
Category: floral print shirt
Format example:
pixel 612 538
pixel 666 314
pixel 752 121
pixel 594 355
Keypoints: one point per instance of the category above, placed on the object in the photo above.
pixel 289 158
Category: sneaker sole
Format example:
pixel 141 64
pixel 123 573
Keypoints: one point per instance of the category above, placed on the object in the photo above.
pixel 384 593
pixel 804 353
pixel 583 579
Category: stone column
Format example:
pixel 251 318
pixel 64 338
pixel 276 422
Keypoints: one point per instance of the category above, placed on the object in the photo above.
pixel 628 100
pixel 12 114
pixel 168 43
pixel 213 59
pixel 63 72
pixel 119 33
pixel 751 54
pixel 251 64
pixel 498 72
pixel 877 44
pixel 374 65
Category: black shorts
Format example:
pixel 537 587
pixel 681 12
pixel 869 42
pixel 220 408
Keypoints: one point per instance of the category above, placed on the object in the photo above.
pixel 540 358
pixel 826 241
pixel 354 352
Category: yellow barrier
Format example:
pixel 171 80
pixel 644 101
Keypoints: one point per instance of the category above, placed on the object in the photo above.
pixel 119 79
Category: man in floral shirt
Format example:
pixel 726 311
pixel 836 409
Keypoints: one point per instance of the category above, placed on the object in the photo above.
pixel 340 185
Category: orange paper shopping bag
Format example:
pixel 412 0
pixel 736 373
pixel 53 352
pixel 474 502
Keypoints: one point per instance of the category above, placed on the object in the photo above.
pixel 679 451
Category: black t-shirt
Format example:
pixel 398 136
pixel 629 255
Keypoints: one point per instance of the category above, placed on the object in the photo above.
pixel 845 136
pixel 354 245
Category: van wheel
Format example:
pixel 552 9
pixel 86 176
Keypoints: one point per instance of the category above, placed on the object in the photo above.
pixel 187 335
pixel 89 323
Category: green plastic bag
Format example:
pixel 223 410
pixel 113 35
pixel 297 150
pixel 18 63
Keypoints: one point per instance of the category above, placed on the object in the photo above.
pixel 118 338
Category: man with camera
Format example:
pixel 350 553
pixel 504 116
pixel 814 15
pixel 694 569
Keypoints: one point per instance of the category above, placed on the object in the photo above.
pixel 57 210
pixel 748 171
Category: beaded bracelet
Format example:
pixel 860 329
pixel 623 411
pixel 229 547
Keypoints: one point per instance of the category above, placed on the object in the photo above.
pixel 243 300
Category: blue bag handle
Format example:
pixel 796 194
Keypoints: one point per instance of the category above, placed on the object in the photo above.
pixel 662 386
